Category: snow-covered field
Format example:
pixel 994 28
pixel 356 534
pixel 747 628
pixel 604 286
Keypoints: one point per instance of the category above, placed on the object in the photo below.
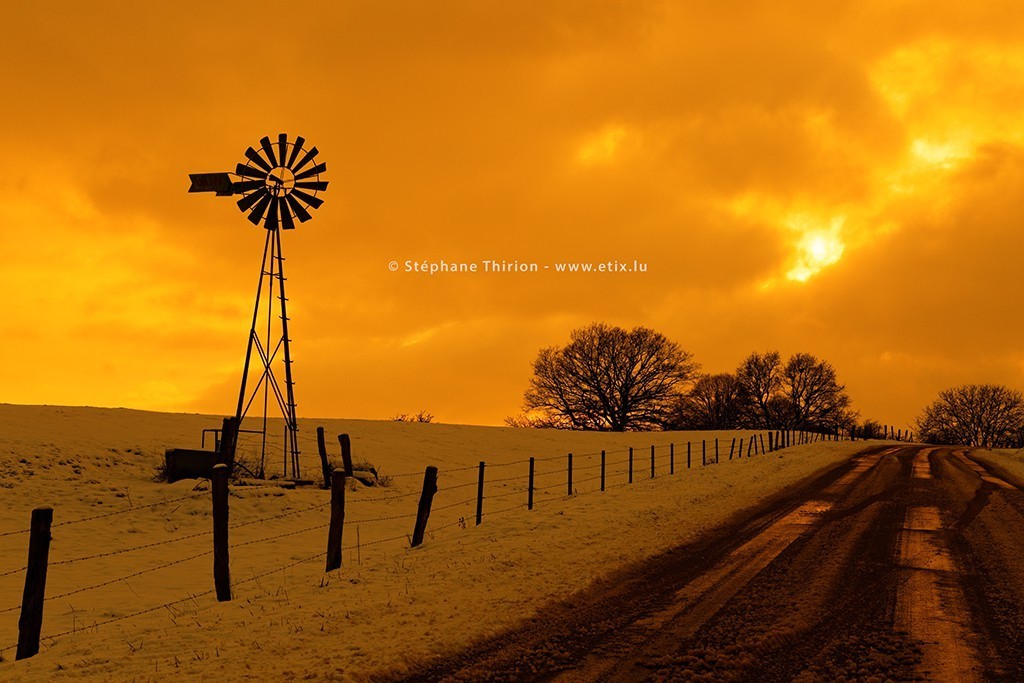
pixel 1008 462
pixel 389 606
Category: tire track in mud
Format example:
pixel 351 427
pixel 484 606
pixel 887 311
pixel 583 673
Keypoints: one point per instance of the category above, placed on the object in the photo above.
pixel 985 514
pixel 605 615
pixel 703 598
pixel 905 565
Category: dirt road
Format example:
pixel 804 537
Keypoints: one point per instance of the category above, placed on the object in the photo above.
pixel 904 564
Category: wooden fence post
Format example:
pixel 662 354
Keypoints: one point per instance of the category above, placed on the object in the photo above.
pixel 771 443
pixel 732 447
pixel 325 466
pixel 630 464
pixel 334 532
pixel 739 453
pixel 703 452
pixel 480 495
pixel 750 445
pixel 760 437
pixel 602 469
pixel 652 461
pixel 221 563
pixel 716 449
pixel 671 458
pixel 31 621
pixel 228 442
pixel 346 453
pixel 529 487
pixel 426 500
pixel 569 470
pixel 687 455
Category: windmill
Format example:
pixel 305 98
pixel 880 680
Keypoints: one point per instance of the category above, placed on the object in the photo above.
pixel 278 184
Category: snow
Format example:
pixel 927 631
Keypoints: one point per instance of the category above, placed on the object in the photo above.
pixel 389 606
pixel 1005 461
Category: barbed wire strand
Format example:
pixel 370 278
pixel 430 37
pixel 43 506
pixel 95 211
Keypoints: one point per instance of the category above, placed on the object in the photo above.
pixel 128 550
pixel 382 499
pixel 456 486
pixel 112 513
pixel 137 613
pixel 117 580
pixel 506 494
pixel 13 571
pixel 197 534
pixel 195 494
pixel 508 509
pixel 504 479
pixel 452 505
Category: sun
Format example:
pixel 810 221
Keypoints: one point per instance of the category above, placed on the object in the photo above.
pixel 818 249
pixel 815 251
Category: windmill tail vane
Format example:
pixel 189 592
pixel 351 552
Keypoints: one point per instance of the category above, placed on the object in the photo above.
pixel 278 182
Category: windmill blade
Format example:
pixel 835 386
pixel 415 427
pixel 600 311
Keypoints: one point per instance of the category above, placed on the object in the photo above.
pixel 305 160
pixel 282 146
pixel 315 170
pixel 297 208
pixel 286 216
pixel 268 149
pixel 250 172
pixel 247 201
pixel 314 202
pixel 253 156
pixel 271 222
pixel 256 215
pixel 318 185
pixel 296 148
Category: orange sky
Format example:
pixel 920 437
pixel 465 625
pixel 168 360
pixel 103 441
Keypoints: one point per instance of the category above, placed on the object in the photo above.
pixel 842 178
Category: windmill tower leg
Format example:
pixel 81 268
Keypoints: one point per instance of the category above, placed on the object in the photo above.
pixel 291 421
pixel 240 411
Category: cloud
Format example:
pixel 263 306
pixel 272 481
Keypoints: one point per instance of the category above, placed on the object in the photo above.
pixel 869 148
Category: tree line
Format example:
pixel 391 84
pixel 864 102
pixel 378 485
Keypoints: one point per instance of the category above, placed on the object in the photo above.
pixel 986 415
pixel 611 379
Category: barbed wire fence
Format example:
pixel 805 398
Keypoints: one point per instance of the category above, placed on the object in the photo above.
pixel 527 478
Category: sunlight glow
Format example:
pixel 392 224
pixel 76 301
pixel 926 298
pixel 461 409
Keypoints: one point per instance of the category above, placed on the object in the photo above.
pixel 602 148
pixel 817 250
pixel 938 155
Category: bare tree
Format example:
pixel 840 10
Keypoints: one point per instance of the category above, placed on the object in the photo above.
pixel 987 415
pixel 714 403
pixel 760 379
pixel 816 398
pixel 870 429
pixel 607 379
